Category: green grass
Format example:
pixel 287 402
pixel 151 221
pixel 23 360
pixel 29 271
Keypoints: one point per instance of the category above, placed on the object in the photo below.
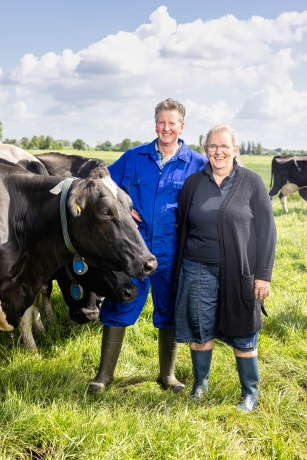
pixel 46 412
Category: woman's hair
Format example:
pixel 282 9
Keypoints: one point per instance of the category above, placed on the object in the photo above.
pixel 170 104
pixel 222 128
pixel 225 129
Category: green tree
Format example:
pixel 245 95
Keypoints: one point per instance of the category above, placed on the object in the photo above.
pixel 249 148
pixel 64 142
pixel 201 140
pixel 57 145
pixel 34 143
pixel 126 144
pixel 136 143
pixel 105 146
pixel 10 141
pixel 242 148
pixel 259 150
pixel 1 130
pixel 24 142
pixel 79 144
pixel 197 148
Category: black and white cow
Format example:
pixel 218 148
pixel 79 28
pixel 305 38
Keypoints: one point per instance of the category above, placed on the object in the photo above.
pixel 22 158
pixel 60 164
pixel 32 245
pixel 289 173
pixel 115 285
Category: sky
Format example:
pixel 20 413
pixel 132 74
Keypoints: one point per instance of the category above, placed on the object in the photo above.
pixel 95 70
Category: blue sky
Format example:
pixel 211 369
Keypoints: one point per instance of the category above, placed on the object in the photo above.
pixel 96 69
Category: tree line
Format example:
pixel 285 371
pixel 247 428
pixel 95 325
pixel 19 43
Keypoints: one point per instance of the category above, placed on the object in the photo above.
pixel 251 148
pixel 49 143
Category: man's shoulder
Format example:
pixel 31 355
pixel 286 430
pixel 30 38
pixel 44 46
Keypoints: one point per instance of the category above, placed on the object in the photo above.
pixel 193 154
pixel 144 148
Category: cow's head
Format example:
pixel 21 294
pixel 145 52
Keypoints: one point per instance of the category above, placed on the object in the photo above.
pixel 102 230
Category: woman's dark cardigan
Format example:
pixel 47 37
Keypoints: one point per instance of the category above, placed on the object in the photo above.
pixel 247 236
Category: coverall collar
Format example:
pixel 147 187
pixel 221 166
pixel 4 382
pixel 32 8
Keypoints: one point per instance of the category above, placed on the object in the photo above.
pixel 149 149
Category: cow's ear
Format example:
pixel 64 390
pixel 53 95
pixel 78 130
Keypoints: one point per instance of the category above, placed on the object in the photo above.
pixel 100 172
pixel 77 201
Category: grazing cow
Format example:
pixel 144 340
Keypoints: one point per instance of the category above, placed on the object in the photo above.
pixel 32 243
pixel 289 173
pixel 22 158
pixel 59 164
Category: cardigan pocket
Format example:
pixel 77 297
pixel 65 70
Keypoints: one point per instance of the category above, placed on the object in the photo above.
pixel 248 287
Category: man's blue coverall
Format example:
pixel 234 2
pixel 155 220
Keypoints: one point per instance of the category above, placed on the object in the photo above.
pixel 154 193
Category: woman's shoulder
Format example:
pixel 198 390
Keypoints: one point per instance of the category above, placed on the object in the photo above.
pixel 194 177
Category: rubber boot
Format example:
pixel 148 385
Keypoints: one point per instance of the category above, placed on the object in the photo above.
pixel 201 361
pixel 112 340
pixel 168 348
pixel 249 379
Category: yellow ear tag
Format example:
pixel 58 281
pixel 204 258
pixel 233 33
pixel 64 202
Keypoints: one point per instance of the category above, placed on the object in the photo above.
pixel 78 208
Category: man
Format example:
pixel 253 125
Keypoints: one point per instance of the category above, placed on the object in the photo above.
pixel 153 175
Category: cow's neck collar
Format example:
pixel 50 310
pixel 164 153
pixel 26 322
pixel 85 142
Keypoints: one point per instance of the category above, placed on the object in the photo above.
pixel 79 265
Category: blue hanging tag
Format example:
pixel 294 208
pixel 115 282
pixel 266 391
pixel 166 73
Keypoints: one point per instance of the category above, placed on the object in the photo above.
pixel 76 291
pixel 79 265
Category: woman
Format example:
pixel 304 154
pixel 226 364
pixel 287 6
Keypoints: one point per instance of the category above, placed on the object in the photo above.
pixel 226 252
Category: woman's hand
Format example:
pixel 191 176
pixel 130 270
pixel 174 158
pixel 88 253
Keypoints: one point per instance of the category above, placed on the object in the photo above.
pixel 262 289
pixel 136 216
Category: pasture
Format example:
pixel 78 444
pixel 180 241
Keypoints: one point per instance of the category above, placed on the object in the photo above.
pixel 47 413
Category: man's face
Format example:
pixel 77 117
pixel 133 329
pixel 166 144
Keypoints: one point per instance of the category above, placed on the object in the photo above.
pixel 168 127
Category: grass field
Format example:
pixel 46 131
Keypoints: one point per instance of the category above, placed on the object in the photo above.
pixel 47 413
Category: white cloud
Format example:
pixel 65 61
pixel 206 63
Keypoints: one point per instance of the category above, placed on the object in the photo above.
pixel 226 70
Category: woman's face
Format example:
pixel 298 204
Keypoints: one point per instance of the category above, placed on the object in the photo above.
pixel 221 151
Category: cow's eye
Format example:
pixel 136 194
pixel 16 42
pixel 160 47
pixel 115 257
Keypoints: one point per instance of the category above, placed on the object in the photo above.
pixel 104 213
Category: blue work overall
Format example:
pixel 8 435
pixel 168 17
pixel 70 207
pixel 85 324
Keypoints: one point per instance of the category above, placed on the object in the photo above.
pixel 154 192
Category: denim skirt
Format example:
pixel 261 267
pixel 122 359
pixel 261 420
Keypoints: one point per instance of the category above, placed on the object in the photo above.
pixel 197 311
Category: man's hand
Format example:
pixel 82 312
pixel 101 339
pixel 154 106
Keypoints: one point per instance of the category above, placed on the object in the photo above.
pixel 262 289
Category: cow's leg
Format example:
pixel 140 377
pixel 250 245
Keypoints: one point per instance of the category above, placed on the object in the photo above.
pixel 286 190
pixel 46 299
pixel 37 322
pixel 283 200
pixel 25 327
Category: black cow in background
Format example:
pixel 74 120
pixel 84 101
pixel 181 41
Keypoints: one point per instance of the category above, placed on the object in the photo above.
pixel 59 164
pixel 289 173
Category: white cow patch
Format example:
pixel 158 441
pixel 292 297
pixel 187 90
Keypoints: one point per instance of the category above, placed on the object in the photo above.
pixel 4 325
pixel 108 182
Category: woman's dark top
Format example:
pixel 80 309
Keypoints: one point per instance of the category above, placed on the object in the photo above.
pixel 247 236
pixel 203 241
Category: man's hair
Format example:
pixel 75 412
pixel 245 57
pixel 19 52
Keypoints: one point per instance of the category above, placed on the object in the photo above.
pixel 170 104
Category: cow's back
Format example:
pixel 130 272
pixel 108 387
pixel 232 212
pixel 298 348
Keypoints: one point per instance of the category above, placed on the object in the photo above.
pixel 60 164
pixel 21 158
